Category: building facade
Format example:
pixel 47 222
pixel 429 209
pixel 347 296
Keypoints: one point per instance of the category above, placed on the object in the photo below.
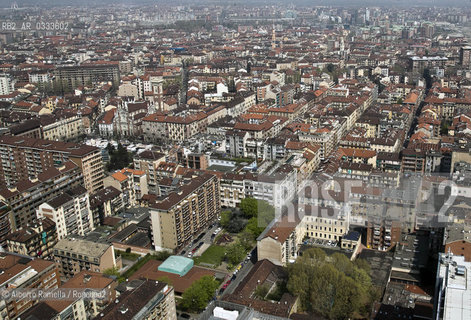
pixel 185 213
pixel 25 158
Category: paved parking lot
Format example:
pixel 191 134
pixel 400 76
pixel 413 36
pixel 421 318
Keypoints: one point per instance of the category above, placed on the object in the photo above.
pixel 322 243
pixel 205 241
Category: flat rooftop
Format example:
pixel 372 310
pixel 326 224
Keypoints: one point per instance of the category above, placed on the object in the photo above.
pixel 82 246
pixel 151 271
pixel 455 272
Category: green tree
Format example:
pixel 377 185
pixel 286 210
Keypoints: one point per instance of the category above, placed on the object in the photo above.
pixel 235 253
pixel 197 296
pixel 110 148
pixel 249 207
pixel 332 286
pixel 330 68
pixel 362 264
pixel 225 218
pixel 254 228
pixel 119 158
pixel 114 271
pixel 261 291
pixel 266 213
pixel 246 239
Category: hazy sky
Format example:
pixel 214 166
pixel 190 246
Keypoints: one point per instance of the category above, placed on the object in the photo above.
pixel 401 3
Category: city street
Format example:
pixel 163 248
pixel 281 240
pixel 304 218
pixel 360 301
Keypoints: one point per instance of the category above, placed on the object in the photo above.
pixel 206 239
pixel 247 265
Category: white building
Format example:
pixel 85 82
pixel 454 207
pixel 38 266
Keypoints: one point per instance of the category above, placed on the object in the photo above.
pixel 453 288
pixel 7 84
pixel 70 211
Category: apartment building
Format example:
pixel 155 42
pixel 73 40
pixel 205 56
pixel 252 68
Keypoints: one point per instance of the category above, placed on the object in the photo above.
pixel 174 128
pixel 105 202
pixel 64 128
pixel 7 84
pixel 20 272
pixel 74 306
pixel 37 240
pixel 150 300
pixel 70 77
pixel 276 188
pixel 232 188
pixel 139 179
pixel 326 138
pixel 185 212
pixel 453 284
pixel 125 184
pixel 279 242
pixel 70 212
pixel 236 143
pixel 383 234
pixel 148 161
pixel 25 158
pixel 74 254
pixel 25 196
pixel 418 64
pixel 5 226
pixel 323 224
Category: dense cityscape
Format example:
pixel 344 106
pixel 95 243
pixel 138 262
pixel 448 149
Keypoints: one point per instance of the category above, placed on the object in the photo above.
pixel 235 160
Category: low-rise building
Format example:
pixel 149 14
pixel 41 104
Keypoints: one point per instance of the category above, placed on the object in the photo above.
pixel 74 254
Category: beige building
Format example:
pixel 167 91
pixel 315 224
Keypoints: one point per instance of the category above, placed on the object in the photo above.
pixel 28 157
pixel 279 243
pixel 137 179
pixel 185 213
pixel 351 241
pixel 64 129
pixel 128 90
pixel 74 254
pixel 174 128
pixel 324 227
pixel 125 184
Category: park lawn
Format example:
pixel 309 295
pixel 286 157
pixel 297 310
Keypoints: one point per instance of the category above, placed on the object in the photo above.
pixel 213 255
